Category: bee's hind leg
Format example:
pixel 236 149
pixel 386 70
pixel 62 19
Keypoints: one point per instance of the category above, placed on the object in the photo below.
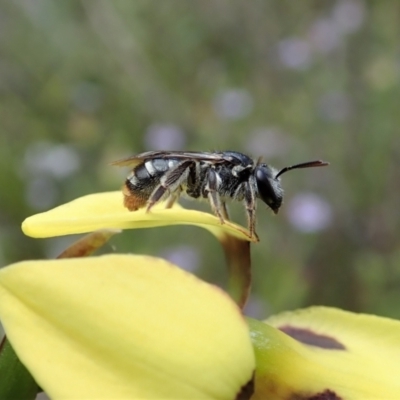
pixel 171 183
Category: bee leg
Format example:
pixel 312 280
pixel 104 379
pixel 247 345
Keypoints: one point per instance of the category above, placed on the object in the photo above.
pixel 250 204
pixel 217 206
pixel 173 198
pixel 171 183
pixel 215 202
pixel 224 211
pixel 170 201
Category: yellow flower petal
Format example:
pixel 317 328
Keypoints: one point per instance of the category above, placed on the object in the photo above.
pixel 124 327
pixel 106 210
pixel 329 353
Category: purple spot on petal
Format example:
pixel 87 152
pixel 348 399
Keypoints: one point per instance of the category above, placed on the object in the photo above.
pixel 308 337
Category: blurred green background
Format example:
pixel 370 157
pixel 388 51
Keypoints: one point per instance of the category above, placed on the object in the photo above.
pixel 83 83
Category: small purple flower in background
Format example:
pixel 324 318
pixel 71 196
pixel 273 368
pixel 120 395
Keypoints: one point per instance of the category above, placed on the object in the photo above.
pixel 233 104
pixel 186 257
pixel 327 34
pixel 257 308
pixel 56 160
pixel 44 163
pixel 349 15
pixel 41 192
pixel 295 53
pixel 267 142
pixel 164 137
pixel 324 35
pixel 308 212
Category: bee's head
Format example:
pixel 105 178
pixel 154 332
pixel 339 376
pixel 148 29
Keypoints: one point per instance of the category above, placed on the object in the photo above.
pixel 269 186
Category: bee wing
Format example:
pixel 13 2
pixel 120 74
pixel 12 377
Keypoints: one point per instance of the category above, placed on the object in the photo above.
pixel 214 158
pixel 184 155
pixel 196 155
pixel 132 161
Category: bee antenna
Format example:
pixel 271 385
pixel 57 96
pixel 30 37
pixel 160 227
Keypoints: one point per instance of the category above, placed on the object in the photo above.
pixel 309 164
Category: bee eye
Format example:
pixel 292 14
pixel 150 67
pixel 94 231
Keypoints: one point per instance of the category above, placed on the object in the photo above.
pixel 269 189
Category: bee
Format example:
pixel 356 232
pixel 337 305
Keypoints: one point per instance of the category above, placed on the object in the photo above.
pixel 216 177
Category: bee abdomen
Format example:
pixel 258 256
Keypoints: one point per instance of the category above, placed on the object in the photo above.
pixel 134 198
pixel 143 180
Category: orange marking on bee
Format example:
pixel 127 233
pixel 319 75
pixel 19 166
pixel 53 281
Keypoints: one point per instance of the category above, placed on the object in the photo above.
pixel 133 201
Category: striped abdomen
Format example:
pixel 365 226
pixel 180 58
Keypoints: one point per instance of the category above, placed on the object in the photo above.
pixel 141 183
